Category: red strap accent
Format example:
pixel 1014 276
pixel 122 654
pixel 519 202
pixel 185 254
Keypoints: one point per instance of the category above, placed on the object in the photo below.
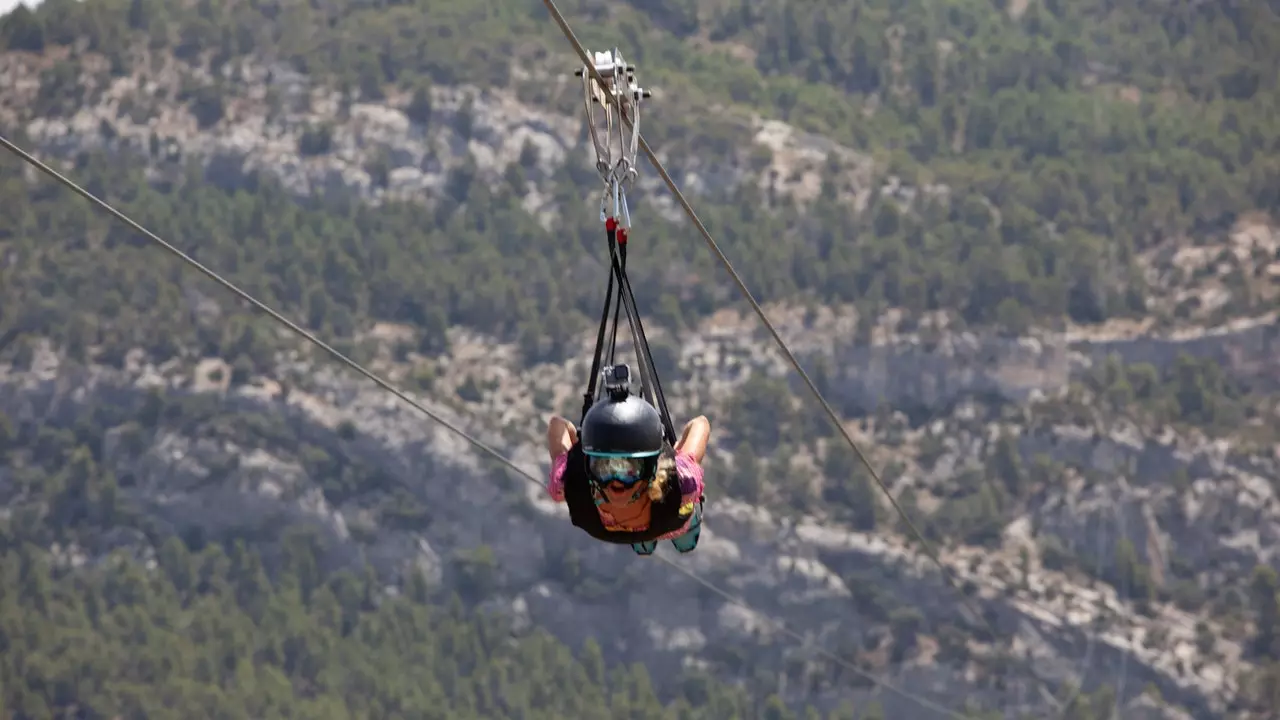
pixel 610 224
pixel 622 236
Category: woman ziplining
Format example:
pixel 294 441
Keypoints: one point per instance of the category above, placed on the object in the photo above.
pixel 622 480
pixel 686 443
pixel 625 476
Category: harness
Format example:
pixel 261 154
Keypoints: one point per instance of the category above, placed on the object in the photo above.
pixel 665 517
pixel 619 100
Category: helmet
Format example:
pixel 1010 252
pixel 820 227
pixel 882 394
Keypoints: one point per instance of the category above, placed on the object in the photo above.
pixel 622 438
pixel 622 426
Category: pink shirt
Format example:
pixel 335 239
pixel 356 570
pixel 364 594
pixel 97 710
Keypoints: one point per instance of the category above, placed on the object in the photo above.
pixel 687 470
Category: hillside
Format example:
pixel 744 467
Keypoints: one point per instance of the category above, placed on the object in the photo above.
pixel 207 634
pixel 1027 249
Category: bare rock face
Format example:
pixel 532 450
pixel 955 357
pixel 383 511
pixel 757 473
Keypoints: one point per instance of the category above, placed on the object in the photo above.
pixel 934 367
pixel 913 375
pixel 317 142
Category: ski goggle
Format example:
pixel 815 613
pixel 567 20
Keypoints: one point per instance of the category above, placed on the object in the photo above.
pixel 625 470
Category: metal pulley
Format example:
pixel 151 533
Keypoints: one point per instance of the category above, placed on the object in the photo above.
pixel 610 87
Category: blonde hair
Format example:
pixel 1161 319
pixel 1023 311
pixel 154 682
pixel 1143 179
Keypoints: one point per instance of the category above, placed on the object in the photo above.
pixel 666 471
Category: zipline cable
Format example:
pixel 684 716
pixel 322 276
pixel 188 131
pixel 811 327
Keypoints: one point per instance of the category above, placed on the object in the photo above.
pixel 927 547
pixel 479 444
pixel 245 296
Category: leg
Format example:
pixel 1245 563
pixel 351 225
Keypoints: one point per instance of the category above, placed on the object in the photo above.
pixel 644 548
pixel 688 542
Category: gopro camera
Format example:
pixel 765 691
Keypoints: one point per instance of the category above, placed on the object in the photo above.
pixel 617 379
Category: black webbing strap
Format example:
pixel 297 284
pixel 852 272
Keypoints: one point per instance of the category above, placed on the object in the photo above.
pixel 611 358
pixel 650 385
pixel 600 357
pixel 589 397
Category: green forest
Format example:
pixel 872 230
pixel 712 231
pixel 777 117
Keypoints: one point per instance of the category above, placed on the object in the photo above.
pixel 208 635
pixel 216 630
pixel 1057 178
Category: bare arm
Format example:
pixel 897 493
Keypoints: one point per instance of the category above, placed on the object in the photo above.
pixel 694 439
pixel 561 435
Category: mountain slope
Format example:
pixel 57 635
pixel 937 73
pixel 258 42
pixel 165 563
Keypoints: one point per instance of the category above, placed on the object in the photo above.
pixel 1008 169
pixel 1081 156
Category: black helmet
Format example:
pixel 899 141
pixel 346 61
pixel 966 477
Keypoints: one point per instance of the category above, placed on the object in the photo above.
pixel 622 435
pixel 622 425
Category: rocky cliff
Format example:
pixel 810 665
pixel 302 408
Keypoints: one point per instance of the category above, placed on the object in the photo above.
pixel 818 578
